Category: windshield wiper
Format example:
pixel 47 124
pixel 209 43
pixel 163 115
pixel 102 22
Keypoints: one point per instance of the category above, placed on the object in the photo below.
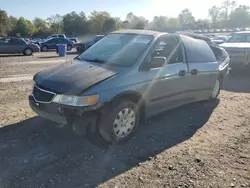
pixel 95 60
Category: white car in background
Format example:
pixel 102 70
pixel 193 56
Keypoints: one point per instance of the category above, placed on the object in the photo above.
pixel 220 39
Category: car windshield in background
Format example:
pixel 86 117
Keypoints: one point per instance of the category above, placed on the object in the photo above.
pixel 240 38
pixel 118 49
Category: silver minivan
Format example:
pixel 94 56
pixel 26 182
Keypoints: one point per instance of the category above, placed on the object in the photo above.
pixel 125 77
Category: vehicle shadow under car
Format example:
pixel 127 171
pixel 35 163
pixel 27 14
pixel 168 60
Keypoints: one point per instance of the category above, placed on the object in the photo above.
pixel 34 153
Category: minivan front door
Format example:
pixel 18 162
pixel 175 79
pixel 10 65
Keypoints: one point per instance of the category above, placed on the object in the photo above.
pixel 167 83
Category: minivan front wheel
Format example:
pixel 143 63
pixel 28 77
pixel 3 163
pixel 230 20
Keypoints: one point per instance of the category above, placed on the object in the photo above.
pixel 120 123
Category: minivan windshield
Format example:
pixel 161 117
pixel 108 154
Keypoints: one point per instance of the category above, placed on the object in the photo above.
pixel 117 49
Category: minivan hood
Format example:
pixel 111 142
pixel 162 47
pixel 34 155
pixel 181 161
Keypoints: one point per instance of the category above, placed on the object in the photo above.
pixel 74 77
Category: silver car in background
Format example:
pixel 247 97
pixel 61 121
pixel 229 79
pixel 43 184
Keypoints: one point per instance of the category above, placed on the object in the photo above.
pixel 238 48
pixel 10 45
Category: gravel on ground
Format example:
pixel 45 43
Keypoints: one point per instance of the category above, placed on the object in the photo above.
pixel 205 144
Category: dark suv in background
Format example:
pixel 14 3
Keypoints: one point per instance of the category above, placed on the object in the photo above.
pixel 84 45
pixel 53 42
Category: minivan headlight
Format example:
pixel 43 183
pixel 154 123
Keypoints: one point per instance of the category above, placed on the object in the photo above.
pixel 76 100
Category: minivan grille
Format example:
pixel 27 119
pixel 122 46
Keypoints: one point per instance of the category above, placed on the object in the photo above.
pixel 42 96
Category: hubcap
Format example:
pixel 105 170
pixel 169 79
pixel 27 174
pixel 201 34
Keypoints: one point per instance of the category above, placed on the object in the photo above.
pixel 216 89
pixel 124 122
pixel 44 48
pixel 28 51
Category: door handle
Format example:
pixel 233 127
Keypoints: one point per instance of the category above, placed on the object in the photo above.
pixel 194 71
pixel 182 73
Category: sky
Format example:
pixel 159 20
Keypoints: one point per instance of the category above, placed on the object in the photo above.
pixel 117 8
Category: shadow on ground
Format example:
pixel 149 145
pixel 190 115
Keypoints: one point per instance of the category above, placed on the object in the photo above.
pixel 34 153
pixel 56 55
pixel 11 55
pixel 237 83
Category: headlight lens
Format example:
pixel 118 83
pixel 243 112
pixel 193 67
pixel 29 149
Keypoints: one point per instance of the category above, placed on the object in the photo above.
pixel 76 100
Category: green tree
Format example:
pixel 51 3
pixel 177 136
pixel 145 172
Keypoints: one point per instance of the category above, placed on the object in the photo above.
pixel 159 23
pixel 96 21
pixel 126 24
pixel 202 24
pixel 186 18
pixel 12 23
pixel 173 23
pixel 118 23
pixel 109 25
pixel 23 28
pixel 226 8
pixel 136 22
pixel 40 24
pixel 214 13
pixel 4 23
pixel 55 23
pixel 240 17
pixel 75 23
pixel 42 28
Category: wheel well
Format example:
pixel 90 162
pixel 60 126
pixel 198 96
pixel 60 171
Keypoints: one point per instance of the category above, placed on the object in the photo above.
pixel 134 97
pixel 27 48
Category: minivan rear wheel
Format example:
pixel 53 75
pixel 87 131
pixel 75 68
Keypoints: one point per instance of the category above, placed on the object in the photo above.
pixel 216 89
pixel 120 122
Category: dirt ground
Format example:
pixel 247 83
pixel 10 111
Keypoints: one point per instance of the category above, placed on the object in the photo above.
pixel 206 144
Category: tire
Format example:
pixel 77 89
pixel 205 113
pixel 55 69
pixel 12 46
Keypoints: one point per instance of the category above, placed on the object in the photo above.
pixel 69 48
pixel 44 49
pixel 216 89
pixel 114 130
pixel 28 52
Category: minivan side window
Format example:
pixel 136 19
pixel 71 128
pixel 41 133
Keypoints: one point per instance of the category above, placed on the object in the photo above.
pixel 170 48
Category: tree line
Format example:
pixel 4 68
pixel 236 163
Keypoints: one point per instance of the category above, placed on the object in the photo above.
pixel 228 15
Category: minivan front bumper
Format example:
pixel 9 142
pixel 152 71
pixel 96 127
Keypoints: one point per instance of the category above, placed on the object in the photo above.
pixel 79 118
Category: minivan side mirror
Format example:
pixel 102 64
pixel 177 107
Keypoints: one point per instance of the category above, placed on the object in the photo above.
pixel 158 62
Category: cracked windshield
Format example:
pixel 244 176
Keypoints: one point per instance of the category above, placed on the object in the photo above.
pixel 125 94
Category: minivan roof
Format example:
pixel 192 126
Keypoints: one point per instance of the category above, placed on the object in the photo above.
pixel 243 32
pixel 139 32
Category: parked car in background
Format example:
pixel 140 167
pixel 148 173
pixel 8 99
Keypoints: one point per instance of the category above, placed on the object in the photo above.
pixel 127 76
pixel 57 36
pixel 36 40
pixel 238 47
pixel 84 45
pixel 74 39
pixel 220 39
pixel 11 45
pixel 53 42
pixel 26 39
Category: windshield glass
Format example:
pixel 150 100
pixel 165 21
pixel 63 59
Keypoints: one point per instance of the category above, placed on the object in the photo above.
pixel 118 49
pixel 240 38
